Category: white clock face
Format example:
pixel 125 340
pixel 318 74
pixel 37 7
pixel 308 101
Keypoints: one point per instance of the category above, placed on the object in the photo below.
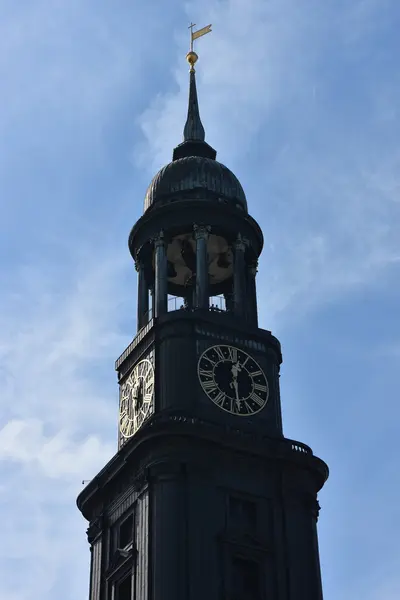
pixel 233 380
pixel 136 398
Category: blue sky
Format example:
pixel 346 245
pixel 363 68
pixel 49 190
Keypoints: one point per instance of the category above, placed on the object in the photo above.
pixel 301 99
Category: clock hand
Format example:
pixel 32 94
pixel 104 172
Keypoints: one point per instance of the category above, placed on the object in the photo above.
pixel 234 383
pixel 139 395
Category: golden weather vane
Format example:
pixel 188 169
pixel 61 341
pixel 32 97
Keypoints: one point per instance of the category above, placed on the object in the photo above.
pixel 191 56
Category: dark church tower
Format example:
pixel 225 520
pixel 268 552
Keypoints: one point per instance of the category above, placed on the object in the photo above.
pixel 205 498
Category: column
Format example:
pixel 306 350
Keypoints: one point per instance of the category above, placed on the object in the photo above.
pixel 143 295
pixel 152 301
pixel 251 301
pixel 239 275
pixel 168 532
pixel 201 236
pixel 95 539
pixel 229 301
pixel 161 293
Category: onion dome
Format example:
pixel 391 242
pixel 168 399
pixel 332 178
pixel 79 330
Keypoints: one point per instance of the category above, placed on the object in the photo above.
pixel 194 172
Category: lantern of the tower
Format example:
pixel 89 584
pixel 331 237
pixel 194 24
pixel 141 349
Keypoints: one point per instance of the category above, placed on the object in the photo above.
pixel 196 243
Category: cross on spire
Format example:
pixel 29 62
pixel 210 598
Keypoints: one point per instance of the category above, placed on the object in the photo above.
pixel 191 35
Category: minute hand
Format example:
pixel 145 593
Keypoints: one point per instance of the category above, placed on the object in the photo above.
pixel 234 383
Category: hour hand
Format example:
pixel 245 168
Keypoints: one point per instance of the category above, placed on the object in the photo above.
pixel 234 384
pixel 139 395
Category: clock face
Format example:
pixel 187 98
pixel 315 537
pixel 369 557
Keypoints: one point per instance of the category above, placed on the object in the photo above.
pixel 233 380
pixel 136 398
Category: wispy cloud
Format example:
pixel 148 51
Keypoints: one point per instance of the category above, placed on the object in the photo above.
pixel 299 99
pixel 57 351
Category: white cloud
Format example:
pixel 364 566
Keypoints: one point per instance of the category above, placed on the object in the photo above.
pixel 55 456
pixel 55 337
pixel 58 420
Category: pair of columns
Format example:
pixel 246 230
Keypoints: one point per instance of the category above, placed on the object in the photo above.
pixel 159 292
pixel 244 291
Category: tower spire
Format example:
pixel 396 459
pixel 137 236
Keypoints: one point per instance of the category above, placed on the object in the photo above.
pixel 193 133
pixel 194 129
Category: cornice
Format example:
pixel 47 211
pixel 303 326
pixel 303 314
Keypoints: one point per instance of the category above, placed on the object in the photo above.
pixel 181 426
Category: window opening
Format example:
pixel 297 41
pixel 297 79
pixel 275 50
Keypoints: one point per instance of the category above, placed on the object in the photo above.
pixel 125 536
pixel 123 589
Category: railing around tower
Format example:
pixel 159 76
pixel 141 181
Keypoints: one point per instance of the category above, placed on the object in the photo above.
pixel 175 303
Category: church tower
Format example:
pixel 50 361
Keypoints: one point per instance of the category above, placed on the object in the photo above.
pixel 205 498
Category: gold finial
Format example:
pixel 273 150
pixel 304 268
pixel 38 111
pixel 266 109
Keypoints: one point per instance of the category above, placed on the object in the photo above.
pixel 191 56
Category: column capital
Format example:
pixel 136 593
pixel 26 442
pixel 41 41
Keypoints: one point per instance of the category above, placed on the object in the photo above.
pixel 253 267
pixel 201 231
pixel 139 258
pixel 241 243
pixel 159 239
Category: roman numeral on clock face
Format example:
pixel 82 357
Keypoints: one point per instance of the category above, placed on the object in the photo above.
pixel 219 353
pixel 259 401
pixel 209 386
pixel 220 398
pixel 126 426
pixel 260 388
pixel 232 354
pixel 205 373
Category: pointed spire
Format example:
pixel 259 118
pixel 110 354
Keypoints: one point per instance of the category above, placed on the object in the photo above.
pixel 193 134
pixel 194 129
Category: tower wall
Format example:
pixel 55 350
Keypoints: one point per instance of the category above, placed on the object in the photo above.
pixel 205 497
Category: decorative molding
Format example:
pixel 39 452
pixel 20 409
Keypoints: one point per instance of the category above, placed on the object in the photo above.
pixel 139 262
pixel 95 529
pixel 315 507
pixel 305 500
pixel 138 256
pixel 239 339
pixel 253 268
pixel 140 481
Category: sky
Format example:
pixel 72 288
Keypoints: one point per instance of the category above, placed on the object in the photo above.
pixel 301 100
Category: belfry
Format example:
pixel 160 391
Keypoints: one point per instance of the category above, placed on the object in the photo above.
pixel 205 497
